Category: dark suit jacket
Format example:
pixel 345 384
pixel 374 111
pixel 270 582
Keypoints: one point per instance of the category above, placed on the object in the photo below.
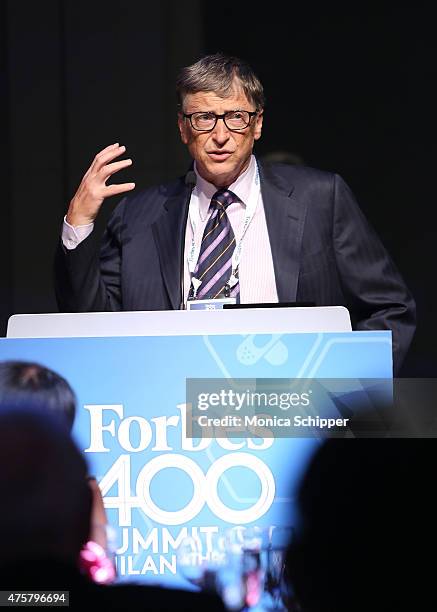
pixel 323 249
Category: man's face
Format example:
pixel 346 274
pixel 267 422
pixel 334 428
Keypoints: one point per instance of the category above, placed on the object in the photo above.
pixel 221 155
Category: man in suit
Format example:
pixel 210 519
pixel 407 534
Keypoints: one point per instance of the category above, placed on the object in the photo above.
pixel 254 232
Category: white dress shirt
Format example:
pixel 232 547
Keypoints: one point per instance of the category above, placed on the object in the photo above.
pixel 256 272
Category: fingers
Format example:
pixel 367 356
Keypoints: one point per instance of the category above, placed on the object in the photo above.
pixel 112 190
pixel 109 169
pixel 92 190
pixel 107 155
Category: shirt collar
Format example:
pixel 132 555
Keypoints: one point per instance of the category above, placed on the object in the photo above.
pixel 241 187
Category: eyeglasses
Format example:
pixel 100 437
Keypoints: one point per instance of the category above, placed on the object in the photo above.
pixel 233 120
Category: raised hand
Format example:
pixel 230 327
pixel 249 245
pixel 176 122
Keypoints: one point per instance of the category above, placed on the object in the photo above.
pixel 93 190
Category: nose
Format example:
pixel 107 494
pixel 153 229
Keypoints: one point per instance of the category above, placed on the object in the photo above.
pixel 220 133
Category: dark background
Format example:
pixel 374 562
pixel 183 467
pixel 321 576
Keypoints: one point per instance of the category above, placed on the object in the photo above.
pixel 351 92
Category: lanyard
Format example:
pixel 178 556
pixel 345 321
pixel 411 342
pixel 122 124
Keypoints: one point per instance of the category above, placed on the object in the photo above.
pixel 194 214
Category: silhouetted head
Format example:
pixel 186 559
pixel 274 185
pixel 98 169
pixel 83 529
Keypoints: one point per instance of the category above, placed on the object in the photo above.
pixel 367 523
pixel 24 385
pixel 45 497
pixel 283 157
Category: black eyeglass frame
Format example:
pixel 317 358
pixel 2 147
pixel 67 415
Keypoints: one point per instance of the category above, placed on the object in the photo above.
pixel 217 117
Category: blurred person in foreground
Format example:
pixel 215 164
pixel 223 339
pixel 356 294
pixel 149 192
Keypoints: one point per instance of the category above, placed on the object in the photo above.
pixel 366 536
pixel 25 383
pixel 45 521
pixel 232 228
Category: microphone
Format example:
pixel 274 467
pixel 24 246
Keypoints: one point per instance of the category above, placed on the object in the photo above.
pixel 190 182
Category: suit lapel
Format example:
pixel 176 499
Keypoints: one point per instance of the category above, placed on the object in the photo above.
pixel 285 219
pixel 169 234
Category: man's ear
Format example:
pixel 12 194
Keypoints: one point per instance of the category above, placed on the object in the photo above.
pixel 258 125
pixel 183 130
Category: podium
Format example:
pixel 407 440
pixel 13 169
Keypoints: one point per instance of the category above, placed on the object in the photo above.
pixel 185 323
pixel 130 372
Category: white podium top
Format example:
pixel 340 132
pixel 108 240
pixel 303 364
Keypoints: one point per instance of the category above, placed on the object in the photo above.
pixel 181 322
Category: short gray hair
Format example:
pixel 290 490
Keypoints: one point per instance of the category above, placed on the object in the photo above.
pixel 216 73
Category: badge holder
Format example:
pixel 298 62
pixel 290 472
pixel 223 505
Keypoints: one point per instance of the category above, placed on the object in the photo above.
pixel 209 304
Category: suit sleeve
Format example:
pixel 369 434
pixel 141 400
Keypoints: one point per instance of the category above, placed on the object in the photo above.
pixel 375 291
pixel 88 278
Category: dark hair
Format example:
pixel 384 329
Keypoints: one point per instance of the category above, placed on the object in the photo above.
pixel 366 525
pixel 46 499
pixel 31 385
pixel 216 73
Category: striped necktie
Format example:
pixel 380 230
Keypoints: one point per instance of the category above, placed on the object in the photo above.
pixel 214 266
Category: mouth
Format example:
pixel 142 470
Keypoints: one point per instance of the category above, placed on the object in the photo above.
pixel 219 156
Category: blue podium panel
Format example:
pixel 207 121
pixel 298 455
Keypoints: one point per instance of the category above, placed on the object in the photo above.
pixel 159 485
